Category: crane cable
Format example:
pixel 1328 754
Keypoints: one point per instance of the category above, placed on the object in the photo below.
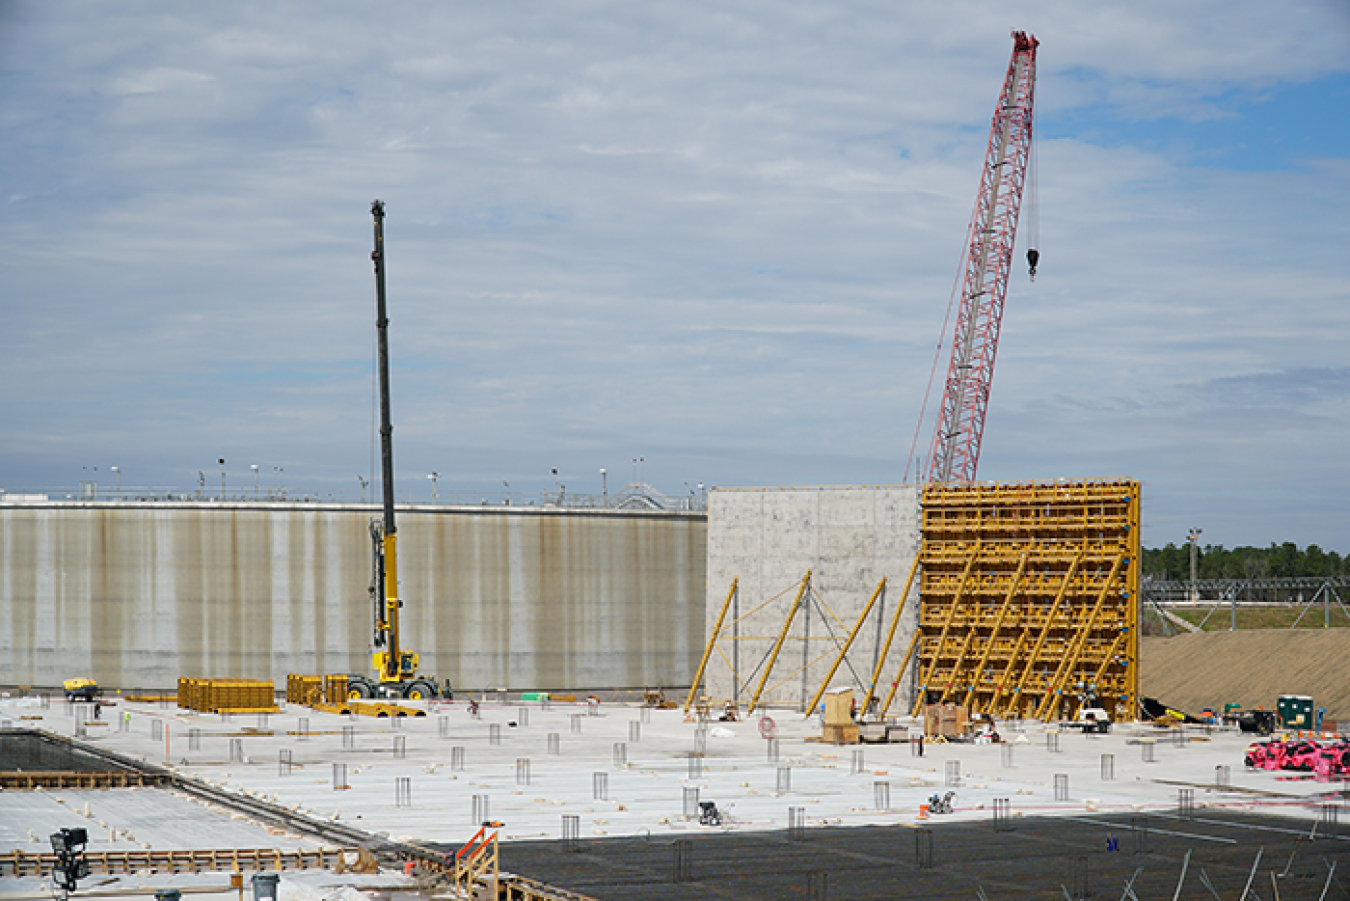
pixel 1033 212
pixel 937 352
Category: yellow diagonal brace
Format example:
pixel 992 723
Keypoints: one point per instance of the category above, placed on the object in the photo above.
pixel 1066 664
pixel 712 640
pixel 1002 709
pixel 824 683
pixel 782 636
pixel 956 667
pixel 998 626
pixel 946 626
pixel 900 673
pixel 1049 621
pixel 890 635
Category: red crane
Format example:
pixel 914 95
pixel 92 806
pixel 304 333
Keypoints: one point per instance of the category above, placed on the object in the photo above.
pixel 988 259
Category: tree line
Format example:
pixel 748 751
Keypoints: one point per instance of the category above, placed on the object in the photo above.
pixel 1214 561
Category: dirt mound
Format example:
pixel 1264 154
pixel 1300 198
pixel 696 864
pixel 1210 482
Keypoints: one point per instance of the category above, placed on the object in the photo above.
pixel 1250 667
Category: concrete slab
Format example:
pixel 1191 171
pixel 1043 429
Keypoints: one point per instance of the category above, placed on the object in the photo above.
pixel 507 761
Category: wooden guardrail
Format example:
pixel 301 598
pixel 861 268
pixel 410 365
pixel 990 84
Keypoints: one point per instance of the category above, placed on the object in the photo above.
pixel 22 863
pixel 23 780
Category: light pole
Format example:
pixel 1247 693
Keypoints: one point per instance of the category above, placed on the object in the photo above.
pixel 1193 536
pixel 222 478
pixel 604 487
pixel 364 483
pixel 118 471
pixel 254 467
pixel 435 477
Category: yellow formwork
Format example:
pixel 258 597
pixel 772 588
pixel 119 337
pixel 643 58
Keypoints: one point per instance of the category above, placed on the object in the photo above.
pixel 1029 598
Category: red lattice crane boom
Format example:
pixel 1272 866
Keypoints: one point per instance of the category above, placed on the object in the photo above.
pixel 987 262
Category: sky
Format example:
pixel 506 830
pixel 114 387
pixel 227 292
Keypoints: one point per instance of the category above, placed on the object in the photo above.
pixel 694 243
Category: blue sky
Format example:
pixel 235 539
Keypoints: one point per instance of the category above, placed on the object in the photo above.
pixel 720 238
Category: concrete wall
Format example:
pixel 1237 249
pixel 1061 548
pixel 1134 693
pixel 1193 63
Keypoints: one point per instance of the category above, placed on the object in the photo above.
pixel 849 537
pixel 139 594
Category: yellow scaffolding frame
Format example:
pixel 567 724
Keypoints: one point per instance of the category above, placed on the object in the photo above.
pixel 1029 597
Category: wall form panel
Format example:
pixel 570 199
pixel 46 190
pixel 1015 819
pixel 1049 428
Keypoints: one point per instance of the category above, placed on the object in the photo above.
pixel 1030 597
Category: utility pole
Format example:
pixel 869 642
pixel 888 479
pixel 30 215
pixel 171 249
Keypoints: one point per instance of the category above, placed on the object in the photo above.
pixel 1193 536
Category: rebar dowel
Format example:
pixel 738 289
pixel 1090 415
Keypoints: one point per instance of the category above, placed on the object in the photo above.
pixel 554 743
pixel 494 733
pixel 952 775
pixel 784 782
pixel 881 795
pixel 690 801
pixel 682 866
pixel 480 809
pixel 1002 814
pixel 1061 786
pixel 600 786
pixel 522 771
pixel 620 754
pixel 302 728
pixel 400 747
pixel 571 832
pixel 403 791
pixel 796 823
pixel 1108 767
pixel 1186 802
pixel 457 758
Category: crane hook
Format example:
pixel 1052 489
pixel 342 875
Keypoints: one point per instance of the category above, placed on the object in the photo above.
pixel 1033 257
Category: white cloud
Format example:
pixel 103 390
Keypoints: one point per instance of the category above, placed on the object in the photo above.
pixel 720 236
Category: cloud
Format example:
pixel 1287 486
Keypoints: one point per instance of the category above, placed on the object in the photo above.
pixel 720 237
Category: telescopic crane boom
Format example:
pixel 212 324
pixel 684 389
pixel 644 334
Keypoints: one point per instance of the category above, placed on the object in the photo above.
pixel 987 262
pixel 395 668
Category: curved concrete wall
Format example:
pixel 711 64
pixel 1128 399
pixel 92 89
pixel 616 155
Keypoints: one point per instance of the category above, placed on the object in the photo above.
pixel 523 598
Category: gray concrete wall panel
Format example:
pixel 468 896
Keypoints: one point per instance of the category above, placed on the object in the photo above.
pixel 136 595
pixel 849 537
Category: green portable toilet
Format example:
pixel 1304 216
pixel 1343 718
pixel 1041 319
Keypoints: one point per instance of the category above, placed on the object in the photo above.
pixel 1295 711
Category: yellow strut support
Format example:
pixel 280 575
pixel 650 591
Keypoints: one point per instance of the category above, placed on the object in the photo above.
pixel 782 636
pixel 946 626
pixel 890 634
pixel 998 627
pixel 824 683
pixel 900 673
pixel 712 641
pixel 392 660
pixel 1066 665
pixel 1045 629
